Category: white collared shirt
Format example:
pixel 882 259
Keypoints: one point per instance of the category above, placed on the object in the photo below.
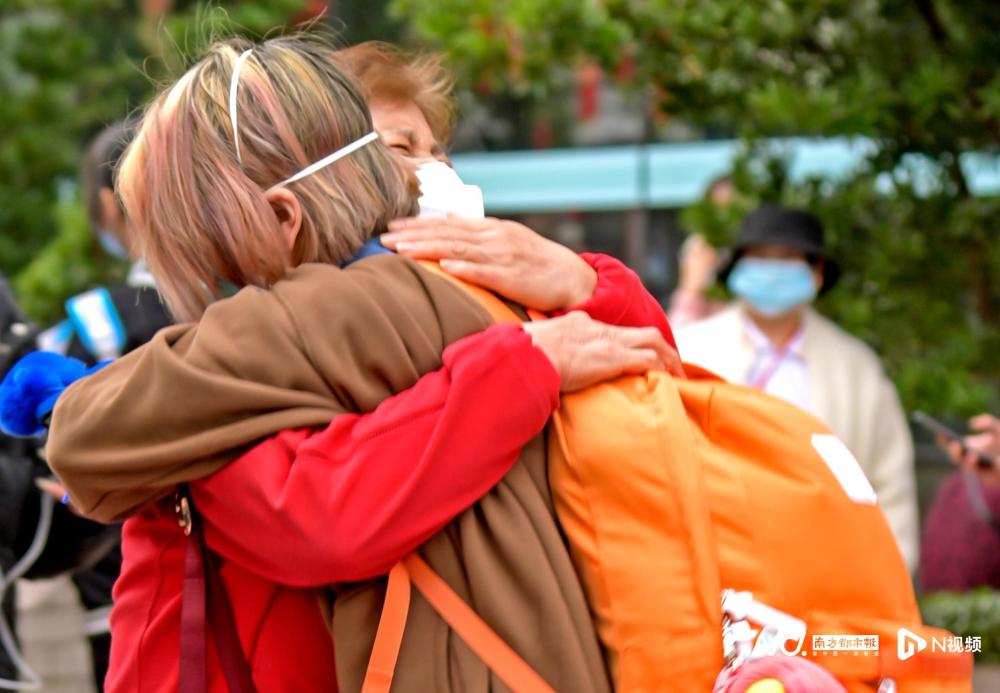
pixel 781 372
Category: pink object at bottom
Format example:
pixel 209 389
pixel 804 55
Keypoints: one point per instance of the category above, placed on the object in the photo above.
pixel 796 675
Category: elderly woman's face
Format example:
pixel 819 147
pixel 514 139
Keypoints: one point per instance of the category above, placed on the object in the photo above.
pixel 404 129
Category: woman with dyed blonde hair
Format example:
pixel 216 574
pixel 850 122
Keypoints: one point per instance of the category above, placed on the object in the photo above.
pixel 387 402
pixel 192 181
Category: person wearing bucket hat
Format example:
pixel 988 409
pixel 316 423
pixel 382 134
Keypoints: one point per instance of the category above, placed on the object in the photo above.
pixel 771 338
pixel 778 234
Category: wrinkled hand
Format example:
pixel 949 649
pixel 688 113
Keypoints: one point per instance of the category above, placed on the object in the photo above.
pixel 503 256
pixel 586 352
pixel 986 441
pixel 699 261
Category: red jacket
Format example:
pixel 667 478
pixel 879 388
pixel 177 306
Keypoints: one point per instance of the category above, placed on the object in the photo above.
pixel 304 509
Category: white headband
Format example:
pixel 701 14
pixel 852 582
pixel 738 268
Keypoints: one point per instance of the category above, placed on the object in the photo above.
pixel 328 159
pixel 311 168
pixel 233 87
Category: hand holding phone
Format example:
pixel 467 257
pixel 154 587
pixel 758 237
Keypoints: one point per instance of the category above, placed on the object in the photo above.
pixel 983 460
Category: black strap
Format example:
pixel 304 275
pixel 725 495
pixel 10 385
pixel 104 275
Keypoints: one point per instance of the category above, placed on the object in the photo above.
pixel 974 491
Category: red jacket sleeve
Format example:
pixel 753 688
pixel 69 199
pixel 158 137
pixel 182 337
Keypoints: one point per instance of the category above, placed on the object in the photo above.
pixel 619 298
pixel 312 508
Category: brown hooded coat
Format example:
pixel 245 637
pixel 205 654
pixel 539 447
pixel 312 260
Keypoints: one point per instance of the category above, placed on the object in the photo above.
pixel 322 342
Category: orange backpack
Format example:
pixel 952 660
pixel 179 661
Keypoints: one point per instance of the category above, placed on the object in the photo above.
pixel 671 491
pixel 688 488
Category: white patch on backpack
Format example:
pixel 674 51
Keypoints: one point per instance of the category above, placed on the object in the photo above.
pixel 843 465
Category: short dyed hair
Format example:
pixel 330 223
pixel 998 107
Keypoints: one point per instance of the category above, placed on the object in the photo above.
pixel 199 215
pixel 386 72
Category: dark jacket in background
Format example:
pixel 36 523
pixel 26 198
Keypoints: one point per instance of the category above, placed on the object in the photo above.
pixel 16 487
pixel 89 550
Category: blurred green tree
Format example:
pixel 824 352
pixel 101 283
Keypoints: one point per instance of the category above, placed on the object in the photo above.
pixel 68 68
pixel 918 77
pixel 58 86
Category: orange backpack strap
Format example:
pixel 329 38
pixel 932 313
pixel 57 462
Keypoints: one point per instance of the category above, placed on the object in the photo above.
pixel 481 639
pixel 508 666
pixel 498 310
pixel 390 632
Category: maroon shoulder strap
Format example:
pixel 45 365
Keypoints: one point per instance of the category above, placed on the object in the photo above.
pixel 235 667
pixel 193 674
pixel 205 595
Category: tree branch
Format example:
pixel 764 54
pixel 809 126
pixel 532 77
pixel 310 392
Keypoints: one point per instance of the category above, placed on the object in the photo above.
pixel 929 12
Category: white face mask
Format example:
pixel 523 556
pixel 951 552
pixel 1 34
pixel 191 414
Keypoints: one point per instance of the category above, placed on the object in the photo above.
pixel 442 193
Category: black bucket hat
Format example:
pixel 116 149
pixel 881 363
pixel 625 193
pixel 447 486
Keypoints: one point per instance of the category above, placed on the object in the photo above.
pixel 771 224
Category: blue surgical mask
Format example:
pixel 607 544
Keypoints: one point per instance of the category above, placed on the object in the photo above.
pixel 772 287
pixel 112 246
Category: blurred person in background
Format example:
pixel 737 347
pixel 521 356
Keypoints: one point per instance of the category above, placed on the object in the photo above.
pixel 69 543
pixel 102 323
pixel 18 466
pixel 132 312
pixel 985 441
pixel 698 264
pixel 960 549
pixel 772 339
pixel 107 322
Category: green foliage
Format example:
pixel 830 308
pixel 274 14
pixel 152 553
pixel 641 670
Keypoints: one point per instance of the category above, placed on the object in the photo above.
pixel 68 68
pixel 922 281
pixel 70 263
pixel 182 36
pixel 880 67
pixel 58 86
pixel 512 46
pixel 968 614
